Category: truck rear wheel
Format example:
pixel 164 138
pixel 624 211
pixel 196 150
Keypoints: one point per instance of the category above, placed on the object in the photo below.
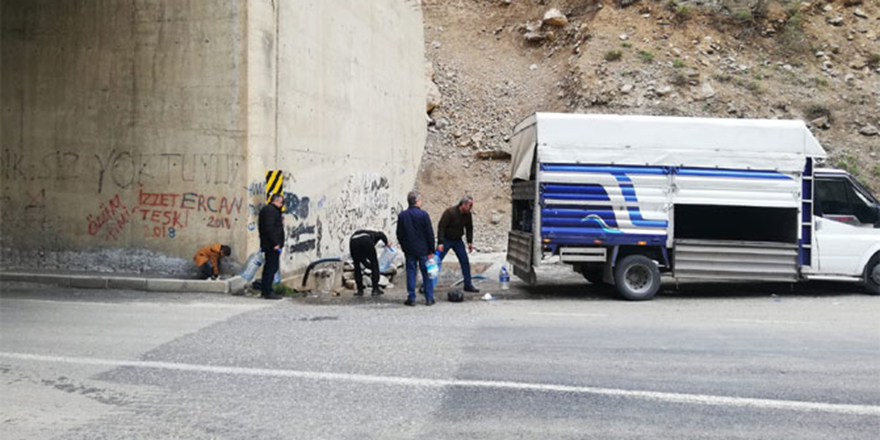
pixel 872 276
pixel 637 278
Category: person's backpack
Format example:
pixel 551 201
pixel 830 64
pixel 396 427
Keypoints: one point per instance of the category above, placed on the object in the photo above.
pixel 455 295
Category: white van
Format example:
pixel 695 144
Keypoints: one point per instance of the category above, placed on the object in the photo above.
pixel 626 198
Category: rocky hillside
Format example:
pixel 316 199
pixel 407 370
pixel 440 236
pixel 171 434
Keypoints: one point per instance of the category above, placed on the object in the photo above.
pixel 494 62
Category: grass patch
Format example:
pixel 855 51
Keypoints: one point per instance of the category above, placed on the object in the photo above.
pixel 874 60
pixel 283 290
pixel 793 40
pixel 875 171
pixel 613 55
pixel 848 164
pixel 818 110
pixel 819 82
pixel 677 63
pixel 722 77
pixel 679 79
pixel 680 13
pixel 752 86
pixel 626 45
pixel 646 57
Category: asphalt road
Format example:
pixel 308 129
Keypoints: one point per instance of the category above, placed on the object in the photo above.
pixel 705 362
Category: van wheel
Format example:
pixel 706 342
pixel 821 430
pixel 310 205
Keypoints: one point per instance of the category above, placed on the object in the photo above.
pixel 637 278
pixel 872 276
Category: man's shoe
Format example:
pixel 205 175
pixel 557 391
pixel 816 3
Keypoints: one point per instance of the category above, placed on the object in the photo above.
pixel 472 289
pixel 272 296
pixel 430 303
pixel 360 292
pixel 377 292
pixel 409 303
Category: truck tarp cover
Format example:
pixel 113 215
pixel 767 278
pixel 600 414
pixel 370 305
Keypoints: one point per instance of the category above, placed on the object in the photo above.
pixel 778 145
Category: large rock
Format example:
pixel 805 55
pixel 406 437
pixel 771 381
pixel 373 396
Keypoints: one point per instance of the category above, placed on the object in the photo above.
pixel 497 154
pixel 708 91
pixel 869 130
pixel 554 17
pixel 625 3
pixel 535 37
pixel 835 21
pixel 432 95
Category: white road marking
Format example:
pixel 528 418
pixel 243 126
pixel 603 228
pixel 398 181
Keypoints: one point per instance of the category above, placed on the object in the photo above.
pixel 771 321
pixel 584 315
pixel 695 399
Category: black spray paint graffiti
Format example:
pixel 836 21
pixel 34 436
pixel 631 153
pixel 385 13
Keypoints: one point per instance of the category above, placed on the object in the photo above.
pixel 121 168
pixel 299 244
pixel 296 206
pixel 363 203
pixel 300 238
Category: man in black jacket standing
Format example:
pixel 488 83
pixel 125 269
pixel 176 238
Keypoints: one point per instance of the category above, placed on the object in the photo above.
pixel 271 229
pixel 363 251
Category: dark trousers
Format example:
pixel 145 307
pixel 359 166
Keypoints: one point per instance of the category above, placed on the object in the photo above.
pixel 206 270
pixel 363 251
pixel 461 252
pixel 270 267
pixel 416 264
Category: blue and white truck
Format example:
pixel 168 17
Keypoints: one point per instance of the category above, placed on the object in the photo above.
pixel 625 199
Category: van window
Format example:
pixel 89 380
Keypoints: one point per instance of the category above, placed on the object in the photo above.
pixel 844 201
pixel 832 198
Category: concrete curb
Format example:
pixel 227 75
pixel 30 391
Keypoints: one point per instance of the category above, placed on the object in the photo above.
pixel 231 285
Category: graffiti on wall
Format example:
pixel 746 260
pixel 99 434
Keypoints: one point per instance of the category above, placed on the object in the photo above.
pixel 325 226
pixel 363 203
pixel 163 215
pixel 110 219
pixel 121 170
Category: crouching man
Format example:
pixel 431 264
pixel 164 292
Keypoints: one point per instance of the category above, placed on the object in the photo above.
pixel 208 260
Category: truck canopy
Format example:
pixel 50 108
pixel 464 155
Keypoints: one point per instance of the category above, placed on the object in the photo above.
pixel 750 144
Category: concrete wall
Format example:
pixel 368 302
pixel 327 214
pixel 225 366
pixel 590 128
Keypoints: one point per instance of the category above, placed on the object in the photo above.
pixel 135 132
pixel 350 119
pixel 123 125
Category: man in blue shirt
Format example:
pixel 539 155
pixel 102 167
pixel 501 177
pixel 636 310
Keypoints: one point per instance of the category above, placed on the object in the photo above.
pixel 416 237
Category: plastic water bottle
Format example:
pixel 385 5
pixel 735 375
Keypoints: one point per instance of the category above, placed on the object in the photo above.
pixel 252 265
pixel 387 259
pixel 433 269
pixel 504 278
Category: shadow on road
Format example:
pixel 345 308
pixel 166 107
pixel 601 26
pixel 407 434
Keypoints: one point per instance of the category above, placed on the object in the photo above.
pixel 573 289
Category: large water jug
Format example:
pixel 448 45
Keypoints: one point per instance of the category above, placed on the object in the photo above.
pixel 386 260
pixel 250 268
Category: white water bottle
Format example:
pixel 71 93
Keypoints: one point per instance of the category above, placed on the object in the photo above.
pixel 433 269
pixel 504 278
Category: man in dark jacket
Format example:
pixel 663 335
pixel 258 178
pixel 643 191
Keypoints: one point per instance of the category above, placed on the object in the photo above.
pixel 455 222
pixel 271 242
pixel 363 251
pixel 416 237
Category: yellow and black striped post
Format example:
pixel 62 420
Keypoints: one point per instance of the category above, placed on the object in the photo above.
pixel 274 185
